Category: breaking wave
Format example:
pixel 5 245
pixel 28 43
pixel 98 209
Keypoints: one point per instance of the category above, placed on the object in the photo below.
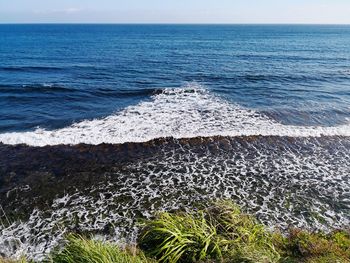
pixel 186 112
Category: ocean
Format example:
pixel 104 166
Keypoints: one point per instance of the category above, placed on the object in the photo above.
pixel 101 125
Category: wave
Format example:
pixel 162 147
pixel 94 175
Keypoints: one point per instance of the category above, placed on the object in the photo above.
pixel 30 68
pixel 274 78
pixel 56 88
pixel 34 88
pixel 186 112
pixel 126 92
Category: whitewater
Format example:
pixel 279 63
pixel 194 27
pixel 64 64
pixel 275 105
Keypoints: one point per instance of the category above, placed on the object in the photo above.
pixel 187 112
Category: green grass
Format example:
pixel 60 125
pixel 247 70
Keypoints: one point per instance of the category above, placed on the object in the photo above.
pixel 222 233
pixel 181 237
pixel 81 250
pixel 248 240
pixel 218 233
pixel 314 247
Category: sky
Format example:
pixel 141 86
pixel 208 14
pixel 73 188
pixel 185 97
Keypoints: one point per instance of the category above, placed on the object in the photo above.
pixel 176 11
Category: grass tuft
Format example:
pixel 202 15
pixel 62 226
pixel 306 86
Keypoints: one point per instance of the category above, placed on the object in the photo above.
pixel 82 250
pixel 315 247
pixel 248 240
pixel 181 237
pixel 220 232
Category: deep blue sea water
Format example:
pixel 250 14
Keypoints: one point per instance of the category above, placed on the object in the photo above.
pixel 54 75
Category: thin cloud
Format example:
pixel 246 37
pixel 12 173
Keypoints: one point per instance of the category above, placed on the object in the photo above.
pixel 70 10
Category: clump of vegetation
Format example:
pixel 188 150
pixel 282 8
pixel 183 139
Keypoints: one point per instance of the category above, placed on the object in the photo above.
pixel 222 233
pixel 303 246
pixel 249 241
pixel 181 237
pixel 218 233
pixel 81 250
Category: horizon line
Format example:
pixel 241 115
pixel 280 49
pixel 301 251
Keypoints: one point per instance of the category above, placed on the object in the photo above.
pixel 165 23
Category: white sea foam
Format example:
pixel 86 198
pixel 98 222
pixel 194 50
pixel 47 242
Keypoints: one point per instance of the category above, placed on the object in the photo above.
pixel 181 113
pixel 283 183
